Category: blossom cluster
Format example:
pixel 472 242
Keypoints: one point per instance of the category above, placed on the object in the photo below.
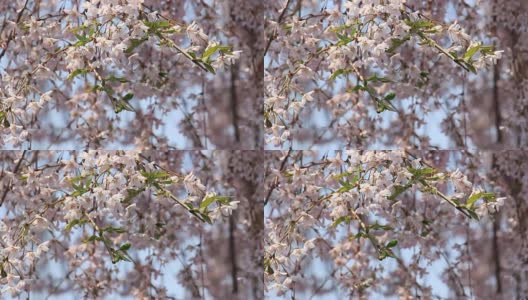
pixel 91 206
pixel 359 62
pixel 301 92
pixel 357 209
pixel 104 74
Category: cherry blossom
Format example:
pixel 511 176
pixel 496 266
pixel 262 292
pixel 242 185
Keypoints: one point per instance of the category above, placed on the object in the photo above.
pixel 375 73
pixel 374 220
pixel 131 212
pixel 127 74
pixel 288 149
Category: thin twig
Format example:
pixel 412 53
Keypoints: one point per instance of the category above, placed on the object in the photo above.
pixel 8 188
pixel 12 35
pixel 274 34
pixel 276 184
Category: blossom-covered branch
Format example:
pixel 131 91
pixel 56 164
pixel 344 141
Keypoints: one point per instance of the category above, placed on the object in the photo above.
pixel 356 209
pixel 355 60
pixel 104 202
pixel 100 64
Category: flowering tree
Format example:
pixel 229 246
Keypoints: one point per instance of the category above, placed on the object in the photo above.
pixel 320 84
pixel 371 73
pixel 123 74
pixel 381 74
pixel 364 224
pixel 139 75
pixel 122 222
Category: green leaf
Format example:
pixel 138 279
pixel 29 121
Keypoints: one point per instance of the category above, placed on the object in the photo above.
pixel 160 225
pixel 375 78
pixel 268 123
pixel 91 32
pixel 377 226
pixel 383 105
pixel 107 89
pixel 470 66
pixel 79 28
pixel 472 214
pixel 390 96
pixel 95 88
pixel 213 49
pixel 117 257
pixel 344 174
pixel 206 218
pixel 3 119
pixel 116 79
pixel 384 253
pixel 340 220
pixel 111 229
pixel 359 88
pixel 121 105
pixel 268 269
pixel 157 176
pixel 159 24
pixel 210 200
pixel 208 67
pixel 420 24
pixel 391 244
pixel 426 232
pixel 77 72
pixel 134 43
pixel 73 223
pixel 125 247
pixel 422 172
pixel 128 96
pixel 81 37
pixel 80 184
pixel 337 73
pixel 471 200
pixel 267 266
pixel 343 39
pixel 340 28
pixel 358 235
pixel 347 186
pixel 484 50
pixel 92 239
pixel 470 52
pixel 490 197
pixel 82 40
